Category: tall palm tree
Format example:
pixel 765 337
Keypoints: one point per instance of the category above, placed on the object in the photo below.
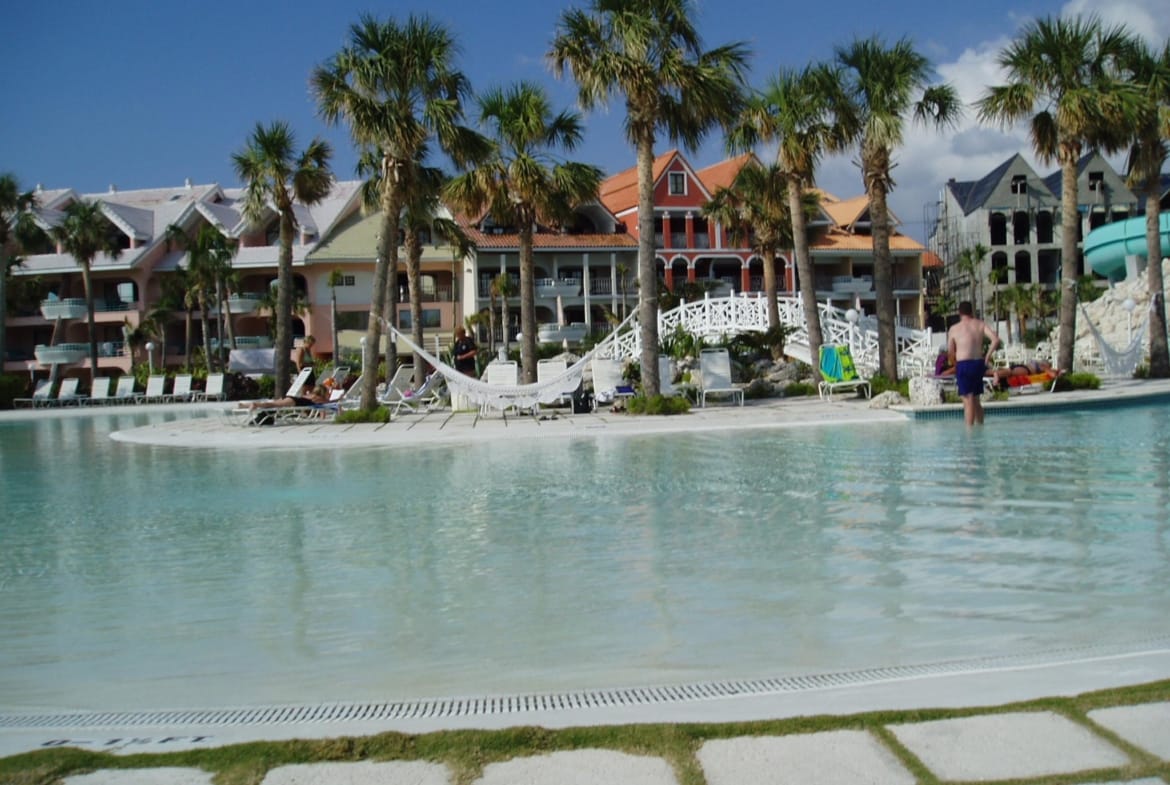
pixel 1148 152
pixel 650 52
pixel 522 183
pixel 503 287
pixel 795 109
pixel 970 263
pixel 883 87
pixel 397 87
pixel 276 177
pixel 754 210
pixel 16 224
pixel 209 265
pixel 85 232
pixel 1061 77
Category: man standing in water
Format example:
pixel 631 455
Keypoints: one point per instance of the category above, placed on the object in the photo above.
pixel 965 350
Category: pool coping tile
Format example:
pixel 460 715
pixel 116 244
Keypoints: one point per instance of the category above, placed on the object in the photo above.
pixel 838 757
pixel 1145 725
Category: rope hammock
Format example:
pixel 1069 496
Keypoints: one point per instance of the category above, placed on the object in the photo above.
pixel 501 397
pixel 1119 362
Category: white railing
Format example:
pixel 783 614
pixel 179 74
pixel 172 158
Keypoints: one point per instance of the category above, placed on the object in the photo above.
pixel 715 318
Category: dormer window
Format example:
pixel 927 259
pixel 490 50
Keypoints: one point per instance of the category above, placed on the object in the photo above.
pixel 1019 184
pixel 1096 181
pixel 677 184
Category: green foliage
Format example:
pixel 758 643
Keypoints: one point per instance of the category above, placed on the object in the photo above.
pixel 350 416
pixel 798 389
pixel 880 384
pixel 12 386
pixel 266 386
pixel 1077 381
pixel 658 404
pixel 679 343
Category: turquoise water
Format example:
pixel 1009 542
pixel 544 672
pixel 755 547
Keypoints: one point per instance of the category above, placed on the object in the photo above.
pixel 136 577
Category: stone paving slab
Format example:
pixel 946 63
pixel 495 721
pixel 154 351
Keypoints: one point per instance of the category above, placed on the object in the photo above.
pixel 1007 746
pixel 162 776
pixel 1147 725
pixel 831 758
pixel 580 767
pixel 360 773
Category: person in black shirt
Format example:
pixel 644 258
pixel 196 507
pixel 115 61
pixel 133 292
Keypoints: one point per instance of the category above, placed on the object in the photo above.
pixel 464 351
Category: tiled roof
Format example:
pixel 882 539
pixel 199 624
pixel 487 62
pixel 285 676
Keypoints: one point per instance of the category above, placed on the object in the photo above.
pixel 844 212
pixel 722 174
pixel 548 240
pixel 931 259
pixel 841 241
pixel 620 192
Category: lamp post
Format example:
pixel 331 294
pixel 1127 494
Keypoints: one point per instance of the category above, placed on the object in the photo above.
pixel 1128 305
pixel 150 357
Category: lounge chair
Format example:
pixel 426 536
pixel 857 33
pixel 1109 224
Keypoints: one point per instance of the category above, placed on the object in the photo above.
pixel 838 373
pixel 124 392
pixel 547 370
pixel 42 396
pixel 608 384
pixel 503 374
pixel 68 395
pixel 156 389
pixel 715 376
pixel 666 377
pixel 181 387
pixel 212 391
pixel 298 384
pixel 99 393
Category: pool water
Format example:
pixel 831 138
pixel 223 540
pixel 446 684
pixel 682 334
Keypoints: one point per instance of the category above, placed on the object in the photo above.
pixel 137 577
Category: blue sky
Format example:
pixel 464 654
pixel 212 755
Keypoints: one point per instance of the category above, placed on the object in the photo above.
pixel 146 93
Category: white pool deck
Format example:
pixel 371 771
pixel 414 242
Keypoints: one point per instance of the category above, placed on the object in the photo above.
pixel 1019 745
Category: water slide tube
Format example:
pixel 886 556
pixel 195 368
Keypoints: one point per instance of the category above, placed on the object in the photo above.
pixel 1106 247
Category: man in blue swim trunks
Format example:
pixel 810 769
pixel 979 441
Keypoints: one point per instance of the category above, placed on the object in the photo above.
pixel 965 349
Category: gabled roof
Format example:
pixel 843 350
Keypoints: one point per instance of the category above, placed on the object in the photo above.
pixel 846 212
pixel 619 193
pixel 134 221
pixel 722 174
pixel 970 195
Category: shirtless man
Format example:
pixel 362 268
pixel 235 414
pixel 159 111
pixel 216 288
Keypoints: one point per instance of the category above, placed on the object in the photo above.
pixel 965 350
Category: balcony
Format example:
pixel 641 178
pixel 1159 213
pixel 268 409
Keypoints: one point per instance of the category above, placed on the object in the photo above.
pixel 848 284
pixel 69 308
pixel 62 353
pixel 565 287
pixel 556 333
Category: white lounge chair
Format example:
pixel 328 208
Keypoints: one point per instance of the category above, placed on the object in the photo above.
pixel 68 395
pixel 156 389
pixel 298 384
pixel 99 393
pixel 838 372
pixel 666 376
pixel 124 392
pixel 213 389
pixel 608 384
pixel 715 376
pixel 547 370
pixel 42 396
pixel 503 374
pixel 181 387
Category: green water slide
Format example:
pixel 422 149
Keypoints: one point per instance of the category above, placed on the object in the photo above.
pixel 1107 246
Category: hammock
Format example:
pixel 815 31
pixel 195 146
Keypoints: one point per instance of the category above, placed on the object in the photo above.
pixel 501 397
pixel 1119 362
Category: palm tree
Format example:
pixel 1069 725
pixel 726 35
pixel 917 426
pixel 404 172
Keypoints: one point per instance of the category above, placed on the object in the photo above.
pixel 1061 76
pixel 522 183
pixel 1147 156
pixel 276 177
pixel 882 86
pixel 397 88
pixel 503 287
pixel 996 276
pixel 209 265
pixel 970 263
pixel 754 210
pixel 650 52
pixel 795 110
pixel 16 225
pixel 83 233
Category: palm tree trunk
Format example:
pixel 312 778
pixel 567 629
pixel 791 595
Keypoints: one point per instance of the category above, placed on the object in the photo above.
pixel 804 269
pixel 189 344
pixel 1070 220
pixel 203 308
pixel 3 309
pixel 414 290
pixel 284 302
pixel 333 325
pixel 647 274
pixel 89 319
pixel 527 303
pixel 883 272
pixel 387 247
pixel 1159 352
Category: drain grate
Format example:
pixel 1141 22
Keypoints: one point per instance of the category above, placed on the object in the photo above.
pixel 640 696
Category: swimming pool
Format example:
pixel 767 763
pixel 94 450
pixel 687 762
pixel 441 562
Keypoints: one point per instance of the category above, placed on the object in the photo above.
pixel 136 577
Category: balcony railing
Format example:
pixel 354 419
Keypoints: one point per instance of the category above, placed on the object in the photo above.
pixel 69 308
pixel 61 354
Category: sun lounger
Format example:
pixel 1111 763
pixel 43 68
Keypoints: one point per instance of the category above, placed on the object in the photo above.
pixel 42 396
pixel 608 384
pixel 155 389
pixel 213 389
pixel 838 373
pixel 715 376
pixel 181 387
pixel 124 392
pixel 68 395
pixel 549 369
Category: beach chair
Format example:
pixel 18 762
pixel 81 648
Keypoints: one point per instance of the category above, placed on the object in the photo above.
pixel 181 387
pixel 666 377
pixel 212 390
pixel 124 391
pixel 715 376
pixel 42 396
pixel 156 389
pixel 99 394
pixel 608 384
pixel 838 373
pixel 68 395
pixel 298 384
pixel 504 374
pixel 547 370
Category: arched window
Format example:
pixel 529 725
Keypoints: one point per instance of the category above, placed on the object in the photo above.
pixel 1023 267
pixel 1021 227
pixel 997 223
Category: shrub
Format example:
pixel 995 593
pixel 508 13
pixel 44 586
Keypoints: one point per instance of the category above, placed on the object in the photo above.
pixel 266 386
pixel 880 384
pixel 1077 381
pixel 12 386
pixel 350 416
pixel 797 389
pixel 658 404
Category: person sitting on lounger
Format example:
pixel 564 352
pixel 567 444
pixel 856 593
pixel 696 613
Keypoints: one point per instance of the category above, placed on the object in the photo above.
pixel 317 395
pixel 1004 376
